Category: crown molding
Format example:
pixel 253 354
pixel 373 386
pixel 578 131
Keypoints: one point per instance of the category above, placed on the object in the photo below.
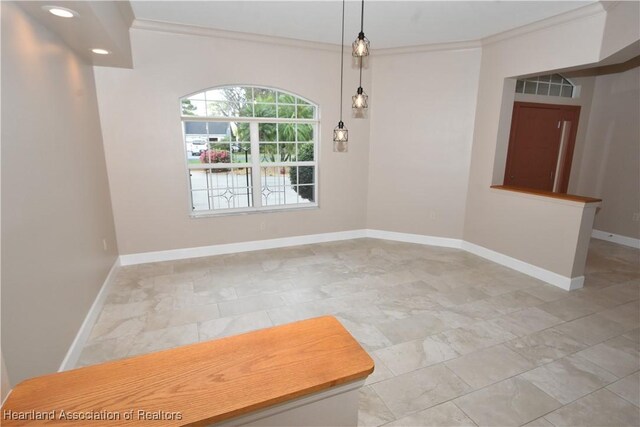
pixel 433 47
pixel 580 13
pixel 193 30
pixel 572 15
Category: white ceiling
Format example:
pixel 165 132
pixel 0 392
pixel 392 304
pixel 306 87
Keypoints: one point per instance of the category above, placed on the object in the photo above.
pixel 387 24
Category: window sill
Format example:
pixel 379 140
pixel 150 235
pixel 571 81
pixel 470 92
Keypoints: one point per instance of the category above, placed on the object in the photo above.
pixel 241 212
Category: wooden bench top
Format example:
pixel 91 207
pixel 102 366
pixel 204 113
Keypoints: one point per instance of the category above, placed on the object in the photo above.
pixel 205 382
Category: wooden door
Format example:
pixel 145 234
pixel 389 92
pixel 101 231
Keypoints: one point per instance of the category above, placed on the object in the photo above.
pixel 541 145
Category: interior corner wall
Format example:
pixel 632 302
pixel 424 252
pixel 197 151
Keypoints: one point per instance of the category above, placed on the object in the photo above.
pixel 144 146
pixel 510 224
pixel 610 167
pixel 421 133
pixel 56 207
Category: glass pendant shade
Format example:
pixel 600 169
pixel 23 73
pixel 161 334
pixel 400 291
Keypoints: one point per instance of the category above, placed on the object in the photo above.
pixel 361 46
pixel 360 99
pixel 340 133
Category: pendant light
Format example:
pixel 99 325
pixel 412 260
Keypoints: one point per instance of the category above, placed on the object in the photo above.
pixel 340 133
pixel 360 98
pixel 361 45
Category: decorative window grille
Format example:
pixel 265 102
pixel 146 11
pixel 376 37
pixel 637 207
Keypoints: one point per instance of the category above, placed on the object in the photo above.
pixel 549 85
pixel 250 148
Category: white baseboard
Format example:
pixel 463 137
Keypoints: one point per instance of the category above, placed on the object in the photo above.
pixel 550 277
pixel 230 248
pixel 563 282
pixel 616 238
pixel 415 238
pixel 82 337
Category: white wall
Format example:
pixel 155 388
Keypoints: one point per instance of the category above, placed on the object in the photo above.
pixel 144 148
pixel 421 131
pixel 56 209
pixel 610 168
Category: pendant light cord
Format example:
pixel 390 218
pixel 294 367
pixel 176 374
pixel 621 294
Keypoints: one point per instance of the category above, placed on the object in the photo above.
pixel 361 31
pixel 342 60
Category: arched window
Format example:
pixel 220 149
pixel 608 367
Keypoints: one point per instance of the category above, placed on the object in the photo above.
pixel 548 85
pixel 250 148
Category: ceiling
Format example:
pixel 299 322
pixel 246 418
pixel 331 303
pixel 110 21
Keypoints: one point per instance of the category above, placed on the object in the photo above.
pixel 388 24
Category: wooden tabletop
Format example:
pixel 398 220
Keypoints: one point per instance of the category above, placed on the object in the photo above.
pixel 203 383
pixel 562 196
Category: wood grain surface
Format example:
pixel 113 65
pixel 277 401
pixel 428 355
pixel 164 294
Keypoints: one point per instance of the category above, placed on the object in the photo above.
pixel 562 196
pixel 205 382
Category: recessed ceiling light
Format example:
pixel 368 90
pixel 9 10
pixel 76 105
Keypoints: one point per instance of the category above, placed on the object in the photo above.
pixel 62 12
pixel 100 51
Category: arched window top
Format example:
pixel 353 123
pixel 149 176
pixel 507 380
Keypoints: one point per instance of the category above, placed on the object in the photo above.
pixel 249 102
pixel 547 85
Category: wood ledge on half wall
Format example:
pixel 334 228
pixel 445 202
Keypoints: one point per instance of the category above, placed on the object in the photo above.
pixel 551 194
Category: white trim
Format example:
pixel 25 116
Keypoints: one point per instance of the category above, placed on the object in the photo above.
pixel 566 283
pixel 420 239
pixel 431 47
pixel 550 277
pixel 616 238
pixel 231 248
pixel 73 354
pixel 194 30
pixel 552 21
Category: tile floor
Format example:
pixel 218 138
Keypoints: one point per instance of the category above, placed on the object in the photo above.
pixel 457 340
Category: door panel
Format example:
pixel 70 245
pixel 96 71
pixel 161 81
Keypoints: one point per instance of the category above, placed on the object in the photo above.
pixel 534 145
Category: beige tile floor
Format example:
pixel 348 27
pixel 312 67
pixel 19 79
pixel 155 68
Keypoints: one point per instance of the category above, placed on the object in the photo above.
pixel 457 340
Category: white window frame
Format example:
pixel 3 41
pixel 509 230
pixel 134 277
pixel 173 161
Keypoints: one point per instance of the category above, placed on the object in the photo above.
pixel 255 164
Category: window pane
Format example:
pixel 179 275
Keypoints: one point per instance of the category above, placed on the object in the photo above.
pixel 264 110
pixel 305 152
pixel 305 132
pixel 302 177
pixel 287 111
pixel 240 132
pixel 267 132
pixel 543 89
pixel 220 109
pixel 567 91
pixel 554 90
pixel 193 108
pixel 276 186
pixel 305 193
pixel 216 153
pixel 268 153
pixel 546 78
pixel 306 112
pixel 264 95
pixel 530 87
pixel 224 189
pixel 286 132
pixel 519 86
pixel 241 152
pixel 285 98
pixel 556 78
pixel 287 152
